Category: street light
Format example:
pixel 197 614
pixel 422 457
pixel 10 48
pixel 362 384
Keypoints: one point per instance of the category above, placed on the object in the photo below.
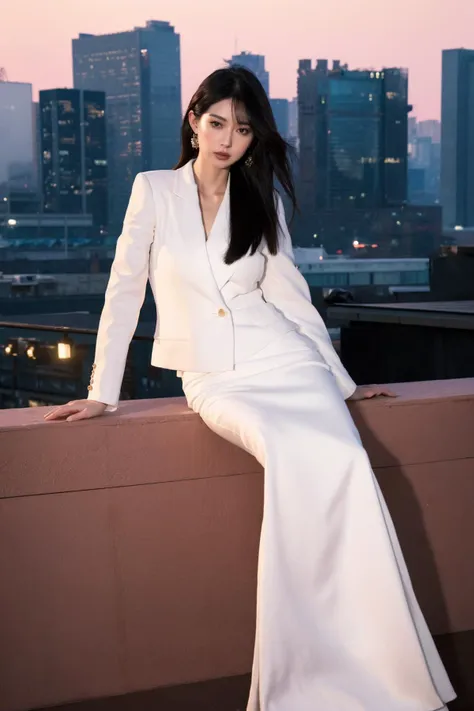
pixel 11 349
pixel 65 348
pixel 11 222
pixel 31 351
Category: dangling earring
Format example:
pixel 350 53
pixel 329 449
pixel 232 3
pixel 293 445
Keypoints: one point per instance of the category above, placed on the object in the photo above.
pixel 195 141
pixel 249 161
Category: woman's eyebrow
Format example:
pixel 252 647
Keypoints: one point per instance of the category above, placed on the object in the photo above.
pixel 221 118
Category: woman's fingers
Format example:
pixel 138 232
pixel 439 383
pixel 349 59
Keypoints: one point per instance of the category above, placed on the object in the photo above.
pixel 81 415
pixel 61 411
pixel 76 410
pixel 374 390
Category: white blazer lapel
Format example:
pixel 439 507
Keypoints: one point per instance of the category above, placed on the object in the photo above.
pixel 218 242
pixel 189 230
pixel 205 260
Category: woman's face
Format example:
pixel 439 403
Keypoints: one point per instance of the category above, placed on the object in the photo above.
pixel 224 133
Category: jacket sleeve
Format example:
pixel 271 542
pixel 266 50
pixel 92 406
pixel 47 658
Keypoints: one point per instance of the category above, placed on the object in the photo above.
pixel 124 295
pixel 285 287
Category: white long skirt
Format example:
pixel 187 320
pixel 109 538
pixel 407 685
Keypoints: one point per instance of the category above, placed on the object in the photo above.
pixel 338 625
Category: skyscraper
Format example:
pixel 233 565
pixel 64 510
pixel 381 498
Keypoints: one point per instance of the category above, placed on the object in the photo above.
pixel 256 64
pixel 293 122
pixel 73 153
pixel 424 162
pixel 457 138
pixel 140 72
pixel 353 156
pixel 353 136
pixel 17 159
pixel 430 128
pixel 280 108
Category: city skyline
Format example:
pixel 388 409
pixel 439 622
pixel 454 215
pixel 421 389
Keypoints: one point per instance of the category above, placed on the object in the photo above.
pixel 404 35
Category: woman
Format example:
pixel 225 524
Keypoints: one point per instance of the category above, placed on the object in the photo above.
pixel 338 626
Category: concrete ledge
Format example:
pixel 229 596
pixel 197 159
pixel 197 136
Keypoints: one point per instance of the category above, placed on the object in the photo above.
pixel 128 543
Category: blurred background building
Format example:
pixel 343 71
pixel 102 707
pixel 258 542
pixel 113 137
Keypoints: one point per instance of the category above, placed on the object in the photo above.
pixel 140 72
pixel 353 164
pixel 424 162
pixel 17 136
pixel 457 133
pixel 73 150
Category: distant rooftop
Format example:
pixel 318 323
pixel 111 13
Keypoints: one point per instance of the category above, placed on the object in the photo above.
pixel 441 314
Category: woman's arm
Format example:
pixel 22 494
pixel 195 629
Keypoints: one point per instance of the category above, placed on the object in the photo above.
pixel 286 288
pixel 124 295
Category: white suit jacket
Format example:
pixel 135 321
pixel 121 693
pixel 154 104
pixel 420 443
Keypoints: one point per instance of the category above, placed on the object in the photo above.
pixel 163 240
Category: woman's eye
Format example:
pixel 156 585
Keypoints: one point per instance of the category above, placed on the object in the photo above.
pixel 215 124
pixel 245 131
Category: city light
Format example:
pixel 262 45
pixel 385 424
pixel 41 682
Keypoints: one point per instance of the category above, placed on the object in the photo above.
pixel 65 348
pixel 11 349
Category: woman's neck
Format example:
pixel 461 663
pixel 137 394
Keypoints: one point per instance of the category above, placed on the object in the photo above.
pixel 211 181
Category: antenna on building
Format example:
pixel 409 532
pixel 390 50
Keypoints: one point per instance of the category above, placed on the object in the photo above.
pixel 3 74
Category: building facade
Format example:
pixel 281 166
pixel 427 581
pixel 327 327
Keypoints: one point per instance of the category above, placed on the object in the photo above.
pixel 379 232
pixel 280 108
pixel 424 163
pixel 353 130
pixel 293 123
pixel 140 72
pixel 17 138
pixel 457 138
pixel 73 153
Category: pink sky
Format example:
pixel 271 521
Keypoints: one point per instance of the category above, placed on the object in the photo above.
pixel 35 37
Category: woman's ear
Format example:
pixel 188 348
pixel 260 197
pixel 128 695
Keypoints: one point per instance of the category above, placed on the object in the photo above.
pixel 193 121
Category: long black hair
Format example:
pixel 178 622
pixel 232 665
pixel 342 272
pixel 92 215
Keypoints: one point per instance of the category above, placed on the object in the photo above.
pixel 253 214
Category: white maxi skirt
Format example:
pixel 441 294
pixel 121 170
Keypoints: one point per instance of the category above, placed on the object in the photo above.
pixel 338 625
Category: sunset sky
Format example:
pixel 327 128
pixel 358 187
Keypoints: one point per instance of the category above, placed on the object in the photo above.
pixel 35 37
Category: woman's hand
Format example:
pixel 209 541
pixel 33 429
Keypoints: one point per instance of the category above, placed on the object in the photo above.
pixel 362 392
pixel 77 410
